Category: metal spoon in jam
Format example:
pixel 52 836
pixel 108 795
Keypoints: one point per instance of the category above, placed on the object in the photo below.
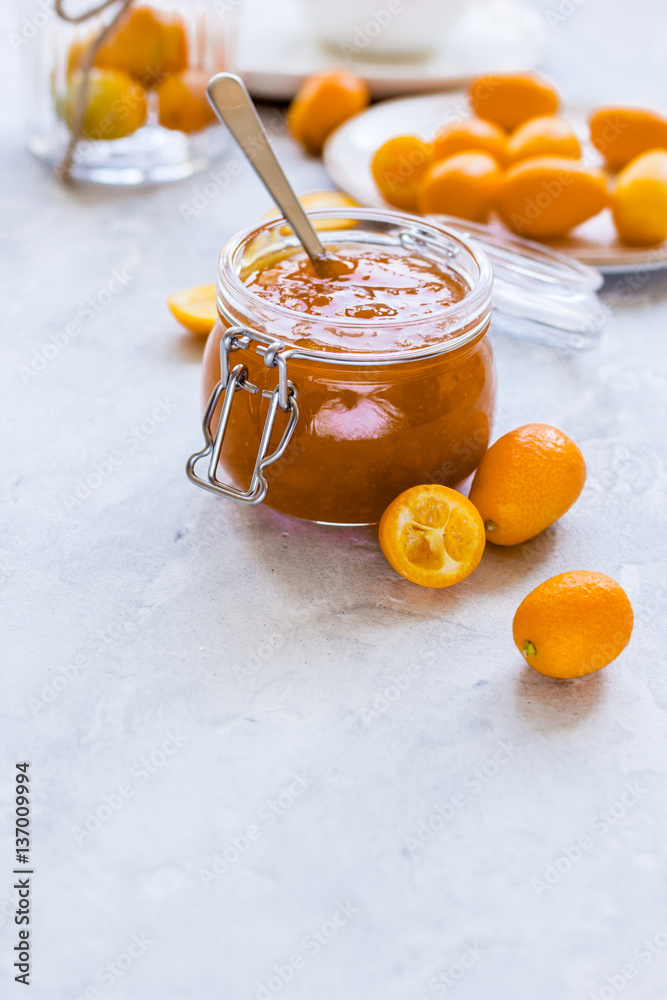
pixel 233 105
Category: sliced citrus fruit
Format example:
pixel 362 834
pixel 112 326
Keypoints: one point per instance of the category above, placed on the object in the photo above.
pixel 195 308
pixel 432 535
pixel 314 201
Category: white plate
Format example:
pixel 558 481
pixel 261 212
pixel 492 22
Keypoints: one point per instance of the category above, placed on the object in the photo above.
pixel 276 50
pixel 349 150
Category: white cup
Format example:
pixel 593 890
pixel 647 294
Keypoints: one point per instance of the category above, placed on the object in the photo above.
pixel 363 29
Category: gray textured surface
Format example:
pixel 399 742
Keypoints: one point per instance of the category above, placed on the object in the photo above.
pixel 172 597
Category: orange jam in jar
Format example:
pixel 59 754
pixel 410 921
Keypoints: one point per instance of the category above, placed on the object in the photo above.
pixel 375 377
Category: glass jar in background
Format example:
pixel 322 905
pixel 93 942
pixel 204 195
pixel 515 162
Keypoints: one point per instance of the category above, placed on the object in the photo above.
pixel 146 116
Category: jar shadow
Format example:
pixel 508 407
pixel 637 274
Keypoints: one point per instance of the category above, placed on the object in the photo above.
pixel 325 571
pixel 343 570
pixel 327 577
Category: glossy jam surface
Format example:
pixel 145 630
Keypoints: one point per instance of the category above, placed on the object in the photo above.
pixel 370 298
pixel 366 431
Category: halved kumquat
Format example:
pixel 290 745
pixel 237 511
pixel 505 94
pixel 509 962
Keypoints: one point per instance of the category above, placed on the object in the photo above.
pixel 432 535
pixel 195 308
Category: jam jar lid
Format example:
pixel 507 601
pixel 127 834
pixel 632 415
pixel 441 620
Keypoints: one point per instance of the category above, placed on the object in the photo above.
pixel 539 294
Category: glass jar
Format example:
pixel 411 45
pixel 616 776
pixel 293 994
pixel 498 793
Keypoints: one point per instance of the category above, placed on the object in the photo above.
pixel 328 432
pixel 147 118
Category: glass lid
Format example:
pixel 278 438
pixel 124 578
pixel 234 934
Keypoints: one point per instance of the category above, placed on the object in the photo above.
pixel 539 294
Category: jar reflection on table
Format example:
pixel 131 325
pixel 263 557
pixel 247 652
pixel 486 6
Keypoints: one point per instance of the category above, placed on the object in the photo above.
pixel 147 118
pixel 370 425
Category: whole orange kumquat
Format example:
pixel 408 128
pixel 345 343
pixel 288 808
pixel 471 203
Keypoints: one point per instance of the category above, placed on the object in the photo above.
pixel 147 44
pixel 398 167
pixel 463 185
pixel 512 98
pixel 322 103
pixel 527 480
pixel 116 104
pixel 548 135
pixel 621 134
pixel 182 101
pixel 545 197
pixel 471 134
pixel 573 624
pixel 639 200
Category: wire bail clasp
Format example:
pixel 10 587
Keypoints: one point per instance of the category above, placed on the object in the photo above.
pixel 283 397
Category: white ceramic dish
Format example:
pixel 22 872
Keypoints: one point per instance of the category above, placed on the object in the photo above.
pixel 383 29
pixel 349 150
pixel 277 49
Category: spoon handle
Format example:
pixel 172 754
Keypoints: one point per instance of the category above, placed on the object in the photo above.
pixel 233 105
